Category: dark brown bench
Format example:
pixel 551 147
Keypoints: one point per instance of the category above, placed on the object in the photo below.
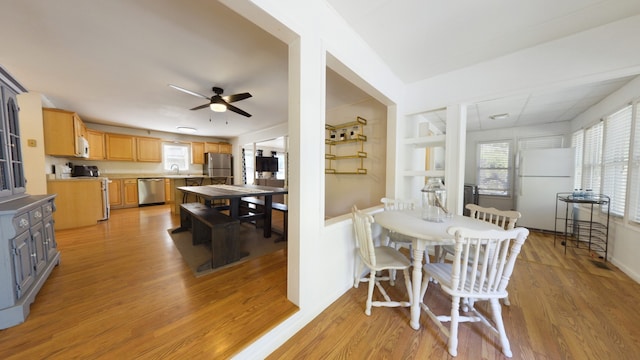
pixel 254 205
pixel 211 227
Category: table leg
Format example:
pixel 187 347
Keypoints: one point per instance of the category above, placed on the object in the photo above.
pixel 416 278
pixel 234 207
pixel 268 200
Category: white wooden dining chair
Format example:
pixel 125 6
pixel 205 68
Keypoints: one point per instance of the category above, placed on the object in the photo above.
pixel 506 219
pixel 378 259
pixel 482 265
pixel 396 239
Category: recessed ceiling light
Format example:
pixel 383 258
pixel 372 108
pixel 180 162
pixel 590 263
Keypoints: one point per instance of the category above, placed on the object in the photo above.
pixel 499 116
pixel 188 130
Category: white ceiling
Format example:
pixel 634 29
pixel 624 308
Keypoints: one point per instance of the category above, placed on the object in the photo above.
pixel 112 61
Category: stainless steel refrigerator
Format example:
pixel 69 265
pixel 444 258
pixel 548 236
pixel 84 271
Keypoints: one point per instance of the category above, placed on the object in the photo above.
pixel 217 165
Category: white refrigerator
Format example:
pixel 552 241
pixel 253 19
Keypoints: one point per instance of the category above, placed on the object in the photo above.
pixel 542 173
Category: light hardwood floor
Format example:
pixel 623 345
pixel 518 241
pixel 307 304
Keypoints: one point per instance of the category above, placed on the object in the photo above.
pixel 562 307
pixel 122 291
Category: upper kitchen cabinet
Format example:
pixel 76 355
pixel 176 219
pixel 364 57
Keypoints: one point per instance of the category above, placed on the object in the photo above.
pixel 120 147
pixel 63 132
pixel 96 144
pixel 211 148
pixel 224 148
pixel 197 153
pixel 148 149
pixel 217 148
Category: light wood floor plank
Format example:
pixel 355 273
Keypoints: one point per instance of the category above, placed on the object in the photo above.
pixel 122 291
pixel 562 307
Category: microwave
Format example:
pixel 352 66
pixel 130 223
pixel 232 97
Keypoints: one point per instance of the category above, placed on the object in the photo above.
pixel 83 147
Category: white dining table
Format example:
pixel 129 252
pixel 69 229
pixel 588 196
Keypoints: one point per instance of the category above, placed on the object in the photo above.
pixel 424 233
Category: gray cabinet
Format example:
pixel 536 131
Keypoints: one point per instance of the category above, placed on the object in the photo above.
pixel 12 180
pixel 28 250
pixel 28 254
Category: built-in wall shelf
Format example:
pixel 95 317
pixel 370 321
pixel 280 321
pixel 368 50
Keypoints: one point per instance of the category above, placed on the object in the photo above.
pixel 426 141
pixel 424 173
pixel 346 142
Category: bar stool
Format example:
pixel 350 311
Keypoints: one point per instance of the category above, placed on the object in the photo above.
pixel 191 182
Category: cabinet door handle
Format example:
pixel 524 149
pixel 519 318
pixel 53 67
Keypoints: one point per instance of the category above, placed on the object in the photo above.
pixel 37 215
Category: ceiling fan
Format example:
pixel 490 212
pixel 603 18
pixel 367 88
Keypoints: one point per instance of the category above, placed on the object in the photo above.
pixel 217 102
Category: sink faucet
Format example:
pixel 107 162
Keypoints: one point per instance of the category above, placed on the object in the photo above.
pixel 177 168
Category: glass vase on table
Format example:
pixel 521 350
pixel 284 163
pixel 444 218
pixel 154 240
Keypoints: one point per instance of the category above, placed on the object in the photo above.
pixel 434 198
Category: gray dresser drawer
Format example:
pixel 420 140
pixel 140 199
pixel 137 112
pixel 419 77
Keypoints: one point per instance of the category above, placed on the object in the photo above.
pixel 36 215
pixel 21 223
pixel 48 208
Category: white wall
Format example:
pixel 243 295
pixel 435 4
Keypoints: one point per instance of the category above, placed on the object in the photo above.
pixel 342 191
pixel 31 129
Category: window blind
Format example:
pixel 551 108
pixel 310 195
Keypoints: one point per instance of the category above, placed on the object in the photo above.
pixel 592 157
pixel 634 186
pixel 577 142
pixel 494 168
pixel 615 158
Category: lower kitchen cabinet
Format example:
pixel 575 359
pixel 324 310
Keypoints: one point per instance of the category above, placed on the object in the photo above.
pixel 115 193
pixel 123 193
pixel 130 192
pixel 28 248
pixel 79 202
pixel 168 193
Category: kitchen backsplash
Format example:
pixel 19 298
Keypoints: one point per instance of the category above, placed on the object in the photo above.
pixel 114 167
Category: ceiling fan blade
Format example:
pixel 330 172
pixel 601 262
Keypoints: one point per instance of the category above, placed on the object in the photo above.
pixel 188 91
pixel 237 111
pixel 200 107
pixel 236 97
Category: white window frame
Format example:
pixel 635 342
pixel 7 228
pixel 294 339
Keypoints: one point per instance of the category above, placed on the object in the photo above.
pixel 176 154
pixel 482 188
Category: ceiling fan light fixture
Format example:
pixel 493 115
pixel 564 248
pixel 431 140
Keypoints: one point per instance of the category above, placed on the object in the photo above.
pixel 217 107
pixel 499 116
pixel 185 129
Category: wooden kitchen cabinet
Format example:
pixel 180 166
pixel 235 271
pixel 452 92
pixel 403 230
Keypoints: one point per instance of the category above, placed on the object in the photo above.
pixel 120 147
pixel 168 193
pixel 123 193
pixel 217 148
pixel 115 193
pixel 224 148
pixel 96 144
pixel 211 148
pixel 197 153
pixel 78 202
pixel 130 192
pixel 148 149
pixel 61 131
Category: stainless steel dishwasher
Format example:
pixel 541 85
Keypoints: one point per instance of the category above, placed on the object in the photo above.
pixel 150 191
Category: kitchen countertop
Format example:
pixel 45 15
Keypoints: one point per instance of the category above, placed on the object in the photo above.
pixel 79 178
pixel 156 176
pixel 134 176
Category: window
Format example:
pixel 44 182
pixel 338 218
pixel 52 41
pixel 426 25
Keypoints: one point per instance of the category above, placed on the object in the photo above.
pixel 577 142
pixel 494 168
pixel 615 158
pixel 634 182
pixel 249 169
pixel 175 154
pixel 592 157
